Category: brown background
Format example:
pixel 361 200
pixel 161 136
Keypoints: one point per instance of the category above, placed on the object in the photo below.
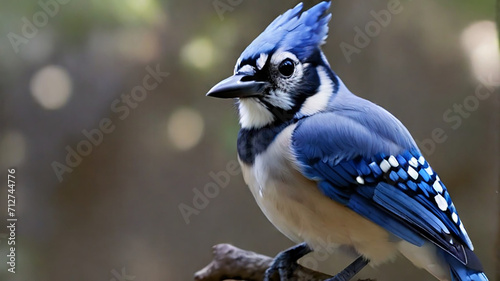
pixel 119 209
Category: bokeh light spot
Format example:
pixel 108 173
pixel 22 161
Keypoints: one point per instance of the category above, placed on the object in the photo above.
pixel 480 43
pixel 146 51
pixel 185 128
pixel 51 87
pixel 198 53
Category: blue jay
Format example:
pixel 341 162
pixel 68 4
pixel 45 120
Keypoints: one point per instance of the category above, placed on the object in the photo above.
pixel 326 165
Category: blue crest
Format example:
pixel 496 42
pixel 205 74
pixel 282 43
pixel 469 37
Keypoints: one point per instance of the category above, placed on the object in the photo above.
pixel 300 33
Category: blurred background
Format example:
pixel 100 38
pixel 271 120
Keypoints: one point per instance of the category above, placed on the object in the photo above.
pixel 104 116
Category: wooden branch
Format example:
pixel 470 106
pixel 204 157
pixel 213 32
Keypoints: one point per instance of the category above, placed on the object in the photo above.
pixel 232 263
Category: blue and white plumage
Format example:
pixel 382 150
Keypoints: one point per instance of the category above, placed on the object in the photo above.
pixel 326 165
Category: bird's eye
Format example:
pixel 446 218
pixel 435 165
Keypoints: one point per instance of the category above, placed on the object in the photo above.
pixel 286 67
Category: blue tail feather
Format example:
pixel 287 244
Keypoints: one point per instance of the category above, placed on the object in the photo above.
pixel 461 272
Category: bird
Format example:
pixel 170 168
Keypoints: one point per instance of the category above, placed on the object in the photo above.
pixel 324 164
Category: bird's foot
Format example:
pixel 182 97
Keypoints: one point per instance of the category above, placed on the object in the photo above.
pixel 285 262
pixel 350 270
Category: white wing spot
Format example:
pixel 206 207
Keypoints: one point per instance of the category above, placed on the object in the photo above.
pixel 467 239
pixel 437 186
pixel 413 162
pixel 412 173
pixel 429 171
pixel 393 161
pixel 421 160
pixel 360 180
pixel 462 228
pixel 441 202
pixel 454 217
pixel 385 166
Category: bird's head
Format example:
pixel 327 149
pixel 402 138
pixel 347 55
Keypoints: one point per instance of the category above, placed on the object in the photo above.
pixel 282 73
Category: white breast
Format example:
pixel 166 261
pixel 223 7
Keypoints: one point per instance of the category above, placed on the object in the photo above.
pixel 299 210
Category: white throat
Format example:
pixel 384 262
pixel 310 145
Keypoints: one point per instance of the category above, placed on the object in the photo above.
pixel 253 114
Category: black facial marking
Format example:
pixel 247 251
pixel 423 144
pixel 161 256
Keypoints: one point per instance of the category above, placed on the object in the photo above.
pixel 306 88
pixel 280 114
pixel 252 142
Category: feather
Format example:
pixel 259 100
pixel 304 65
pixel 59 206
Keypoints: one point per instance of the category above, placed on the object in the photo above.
pixel 373 166
pixel 294 31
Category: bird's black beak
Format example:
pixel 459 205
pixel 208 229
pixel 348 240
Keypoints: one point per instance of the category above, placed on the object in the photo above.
pixel 240 85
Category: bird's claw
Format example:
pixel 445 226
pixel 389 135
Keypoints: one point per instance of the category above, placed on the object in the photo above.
pixel 285 262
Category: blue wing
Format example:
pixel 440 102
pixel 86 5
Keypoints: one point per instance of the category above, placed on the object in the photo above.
pixel 364 158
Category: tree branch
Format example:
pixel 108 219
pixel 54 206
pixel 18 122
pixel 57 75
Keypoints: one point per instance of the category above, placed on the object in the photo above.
pixel 232 263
